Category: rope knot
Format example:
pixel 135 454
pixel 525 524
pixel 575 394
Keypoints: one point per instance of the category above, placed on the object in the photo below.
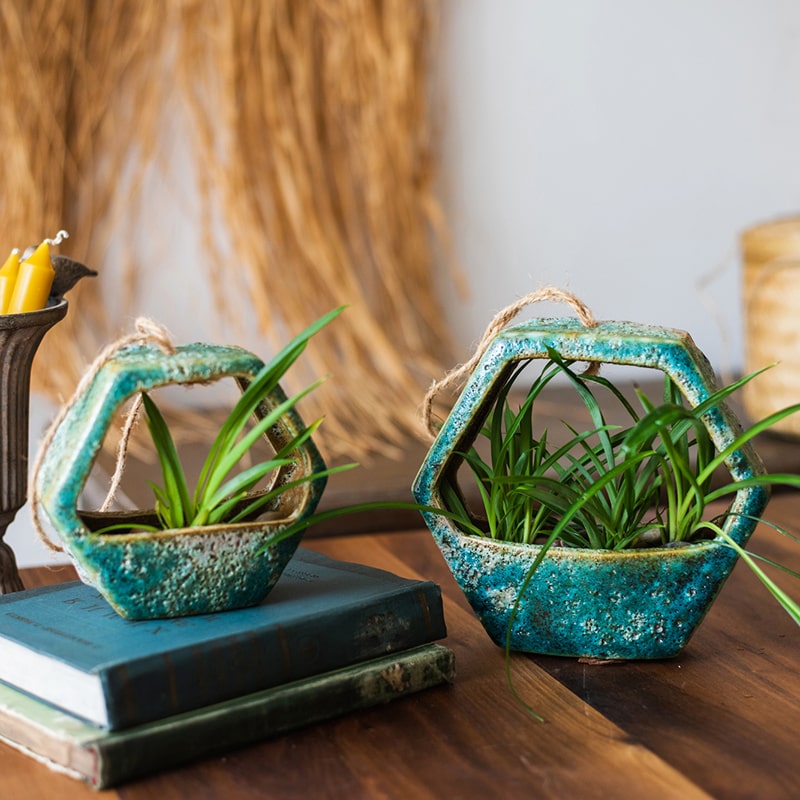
pixel 148 331
pixel 498 323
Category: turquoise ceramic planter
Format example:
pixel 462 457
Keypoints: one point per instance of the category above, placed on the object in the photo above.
pixel 175 572
pixel 636 604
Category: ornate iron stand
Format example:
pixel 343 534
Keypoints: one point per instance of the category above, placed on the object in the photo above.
pixel 20 336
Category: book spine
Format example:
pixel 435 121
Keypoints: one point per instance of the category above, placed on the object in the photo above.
pixel 197 676
pixel 125 755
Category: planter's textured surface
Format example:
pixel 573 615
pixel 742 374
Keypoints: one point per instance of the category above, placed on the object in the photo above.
pixel 601 604
pixel 176 572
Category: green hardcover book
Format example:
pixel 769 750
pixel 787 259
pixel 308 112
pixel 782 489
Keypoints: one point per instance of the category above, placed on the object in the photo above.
pixel 106 758
pixel 66 645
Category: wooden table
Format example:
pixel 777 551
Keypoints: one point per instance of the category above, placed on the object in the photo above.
pixel 721 720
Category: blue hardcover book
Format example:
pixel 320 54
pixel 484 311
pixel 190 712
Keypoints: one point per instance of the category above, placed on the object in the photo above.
pixel 66 645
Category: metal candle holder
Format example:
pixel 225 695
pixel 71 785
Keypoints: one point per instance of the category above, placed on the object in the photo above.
pixel 20 336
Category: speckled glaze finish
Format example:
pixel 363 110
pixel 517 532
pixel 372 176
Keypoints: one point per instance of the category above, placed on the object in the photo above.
pixel 589 603
pixel 176 572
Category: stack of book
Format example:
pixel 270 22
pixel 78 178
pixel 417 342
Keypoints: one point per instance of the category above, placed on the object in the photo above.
pixel 107 699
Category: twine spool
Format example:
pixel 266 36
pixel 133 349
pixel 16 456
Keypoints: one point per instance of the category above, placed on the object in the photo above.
pixel 771 296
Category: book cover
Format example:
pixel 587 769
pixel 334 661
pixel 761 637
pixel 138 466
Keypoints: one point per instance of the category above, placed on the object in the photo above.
pixel 66 645
pixel 106 758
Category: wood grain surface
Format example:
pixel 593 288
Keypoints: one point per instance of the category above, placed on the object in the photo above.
pixel 718 721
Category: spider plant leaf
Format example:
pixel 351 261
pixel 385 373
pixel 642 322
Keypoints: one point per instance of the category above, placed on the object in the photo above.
pixel 589 401
pixel 502 441
pixel 176 492
pixel 237 488
pixel 125 527
pixel 478 466
pixel 562 500
pixel 760 481
pixel 261 500
pixel 788 604
pixel 359 508
pixel 721 394
pixel 265 423
pixel 262 385
pixel 255 392
pixel 649 427
pixel 453 502
pixel 775 564
pixel 244 481
pixel 228 460
pixel 615 391
pixel 604 480
pixel 743 438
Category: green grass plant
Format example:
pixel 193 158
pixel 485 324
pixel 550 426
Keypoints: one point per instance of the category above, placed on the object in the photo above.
pixel 645 482
pixel 224 493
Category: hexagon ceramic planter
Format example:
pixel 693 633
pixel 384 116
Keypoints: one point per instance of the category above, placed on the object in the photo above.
pixel 643 603
pixel 170 573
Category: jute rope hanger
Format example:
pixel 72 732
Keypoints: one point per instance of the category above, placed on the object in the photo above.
pixel 146 332
pixel 498 323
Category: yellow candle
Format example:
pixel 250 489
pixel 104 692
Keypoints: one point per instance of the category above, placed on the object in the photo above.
pixel 34 279
pixel 8 277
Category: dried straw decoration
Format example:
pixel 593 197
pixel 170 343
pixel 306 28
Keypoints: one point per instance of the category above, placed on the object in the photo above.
pixel 313 143
pixel 66 135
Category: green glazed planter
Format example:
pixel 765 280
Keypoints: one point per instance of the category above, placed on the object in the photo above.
pixel 175 572
pixel 636 604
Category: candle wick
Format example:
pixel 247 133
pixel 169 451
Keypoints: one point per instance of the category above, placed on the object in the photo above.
pixel 58 238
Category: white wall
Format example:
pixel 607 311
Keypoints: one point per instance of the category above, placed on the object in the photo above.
pixel 617 148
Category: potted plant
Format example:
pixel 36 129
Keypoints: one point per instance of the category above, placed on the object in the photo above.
pixel 602 546
pixel 222 545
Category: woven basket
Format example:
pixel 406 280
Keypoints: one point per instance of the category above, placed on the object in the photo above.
pixel 771 297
